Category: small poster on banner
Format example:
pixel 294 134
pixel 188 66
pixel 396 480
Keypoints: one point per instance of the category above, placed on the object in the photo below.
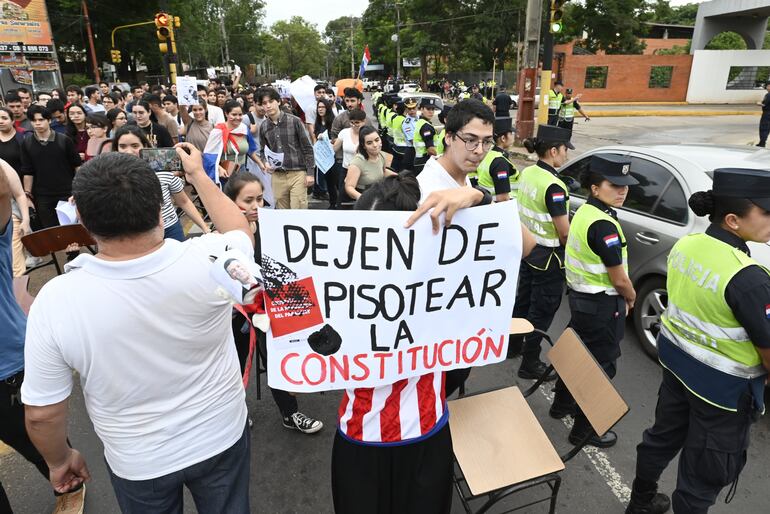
pixel 211 72
pixel 324 154
pixel 187 90
pixel 274 159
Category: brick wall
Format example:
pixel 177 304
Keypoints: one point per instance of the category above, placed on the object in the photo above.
pixel 628 77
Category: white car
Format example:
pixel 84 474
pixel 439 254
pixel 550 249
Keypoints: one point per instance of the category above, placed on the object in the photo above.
pixel 656 214
pixel 410 87
pixel 515 99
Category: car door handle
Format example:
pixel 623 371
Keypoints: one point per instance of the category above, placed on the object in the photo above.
pixel 647 238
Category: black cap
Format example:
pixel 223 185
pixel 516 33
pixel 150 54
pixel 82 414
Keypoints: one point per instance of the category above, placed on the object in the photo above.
pixel 552 134
pixel 614 168
pixel 746 183
pixel 503 125
pixel 428 102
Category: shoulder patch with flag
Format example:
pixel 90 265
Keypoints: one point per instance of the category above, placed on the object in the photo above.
pixel 502 175
pixel 612 240
pixel 767 311
pixel 558 197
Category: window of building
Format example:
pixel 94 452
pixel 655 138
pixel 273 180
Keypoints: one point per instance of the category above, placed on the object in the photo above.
pixel 660 77
pixel 596 77
pixel 748 77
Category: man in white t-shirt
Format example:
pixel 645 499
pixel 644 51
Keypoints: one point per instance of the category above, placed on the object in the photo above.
pixel 150 338
pixel 469 136
pixel 214 114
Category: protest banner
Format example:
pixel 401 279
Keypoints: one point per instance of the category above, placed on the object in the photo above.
pixel 360 301
pixel 302 90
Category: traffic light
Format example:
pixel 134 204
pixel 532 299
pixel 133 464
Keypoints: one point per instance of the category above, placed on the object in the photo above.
pixel 557 14
pixel 163 23
pixel 115 55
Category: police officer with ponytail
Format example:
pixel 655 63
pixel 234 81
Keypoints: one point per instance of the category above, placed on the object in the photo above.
pixel 543 208
pixel 600 292
pixel 496 173
pixel 714 345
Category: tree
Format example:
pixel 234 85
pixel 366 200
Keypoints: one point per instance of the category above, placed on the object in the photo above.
pixel 611 25
pixel 296 48
pixel 337 39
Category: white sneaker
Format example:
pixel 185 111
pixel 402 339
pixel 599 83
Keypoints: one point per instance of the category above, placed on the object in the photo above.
pixel 303 423
pixel 31 262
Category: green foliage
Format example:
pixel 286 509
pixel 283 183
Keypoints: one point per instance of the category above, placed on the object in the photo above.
pixel 295 48
pixel 79 79
pixel 611 25
pixel 727 41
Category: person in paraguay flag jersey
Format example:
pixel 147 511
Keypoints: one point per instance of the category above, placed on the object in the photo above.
pixel 601 294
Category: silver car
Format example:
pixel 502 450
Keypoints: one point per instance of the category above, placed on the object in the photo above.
pixel 656 215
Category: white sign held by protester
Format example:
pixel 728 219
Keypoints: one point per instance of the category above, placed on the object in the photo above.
pixel 302 91
pixel 187 90
pixel 282 86
pixel 324 154
pixel 360 301
pixel 66 213
pixel 274 159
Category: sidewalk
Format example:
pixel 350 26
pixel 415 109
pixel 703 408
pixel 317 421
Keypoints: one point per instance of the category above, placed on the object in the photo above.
pixel 607 109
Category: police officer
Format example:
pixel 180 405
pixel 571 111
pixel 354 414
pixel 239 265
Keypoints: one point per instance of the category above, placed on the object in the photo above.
pixel 600 292
pixel 496 173
pixel 384 115
pixel 399 145
pixel 475 94
pixel 543 208
pixel 764 121
pixel 424 134
pixel 408 127
pixel 714 345
pixel 567 111
pixel 555 98
pixel 440 138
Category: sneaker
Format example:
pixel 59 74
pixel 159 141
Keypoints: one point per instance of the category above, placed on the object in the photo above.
pixel 31 262
pixel 532 370
pixel 658 504
pixel 304 424
pixel 71 503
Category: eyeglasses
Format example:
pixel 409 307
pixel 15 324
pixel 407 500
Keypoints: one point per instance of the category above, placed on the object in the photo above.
pixel 472 143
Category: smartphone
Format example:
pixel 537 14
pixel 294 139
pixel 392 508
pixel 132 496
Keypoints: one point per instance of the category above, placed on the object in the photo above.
pixel 161 159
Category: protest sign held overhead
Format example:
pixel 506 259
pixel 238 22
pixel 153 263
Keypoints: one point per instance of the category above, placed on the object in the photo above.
pixel 360 301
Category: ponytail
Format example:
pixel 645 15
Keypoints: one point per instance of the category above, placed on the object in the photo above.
pixel 706 203
pixel 540 146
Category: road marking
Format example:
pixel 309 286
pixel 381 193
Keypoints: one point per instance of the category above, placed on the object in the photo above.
pixel 599 459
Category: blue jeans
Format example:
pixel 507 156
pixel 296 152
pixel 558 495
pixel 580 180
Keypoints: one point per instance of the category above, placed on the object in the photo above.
pixel 218 485
pixel 174 232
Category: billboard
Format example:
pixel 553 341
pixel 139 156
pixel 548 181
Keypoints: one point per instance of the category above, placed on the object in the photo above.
pixel 25 22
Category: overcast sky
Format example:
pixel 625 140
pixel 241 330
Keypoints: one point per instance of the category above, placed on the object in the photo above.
pixel 310 10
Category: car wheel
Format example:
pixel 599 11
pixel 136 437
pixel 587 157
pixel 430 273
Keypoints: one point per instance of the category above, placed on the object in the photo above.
pixel 651 301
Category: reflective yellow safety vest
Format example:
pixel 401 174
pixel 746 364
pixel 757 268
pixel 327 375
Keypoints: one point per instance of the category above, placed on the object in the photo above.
pixel 533 184
pixel 554 100
pixel 567 112
pixel 586 273
pixel 440 142
pixel 699 321
pixel 485 178
pixel 394 128
pixel 418 142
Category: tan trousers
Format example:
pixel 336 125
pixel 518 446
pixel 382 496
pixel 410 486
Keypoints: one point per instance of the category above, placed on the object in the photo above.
pixel 289 189
pixel 17 249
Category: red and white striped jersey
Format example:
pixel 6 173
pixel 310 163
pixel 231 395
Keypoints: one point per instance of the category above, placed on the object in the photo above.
pixel 408 409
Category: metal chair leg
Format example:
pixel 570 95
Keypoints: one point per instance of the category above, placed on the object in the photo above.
pixel 555 494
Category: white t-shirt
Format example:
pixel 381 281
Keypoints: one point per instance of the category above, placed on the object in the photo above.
pixel 152 343
pixel 216 114
pixel 349 147
pixel 434 177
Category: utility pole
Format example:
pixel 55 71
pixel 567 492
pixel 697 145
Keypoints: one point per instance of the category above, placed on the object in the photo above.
pixel 90 33
pixel 525 114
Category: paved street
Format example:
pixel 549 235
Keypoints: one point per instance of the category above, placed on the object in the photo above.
pixel 290 471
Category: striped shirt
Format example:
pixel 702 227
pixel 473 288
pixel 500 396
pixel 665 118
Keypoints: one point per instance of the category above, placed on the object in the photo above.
pixel 169 184
pixel 407 411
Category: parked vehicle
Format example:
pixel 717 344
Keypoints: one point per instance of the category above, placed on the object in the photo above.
pixel 515 99
pixel 656 214
pixel 410 87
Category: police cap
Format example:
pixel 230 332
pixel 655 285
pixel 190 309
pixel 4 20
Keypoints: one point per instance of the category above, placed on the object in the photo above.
pixel 428 102
pixel 746 183
pixel 614 168
pixel 410 103
pixel 503 126
pixel 552 134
